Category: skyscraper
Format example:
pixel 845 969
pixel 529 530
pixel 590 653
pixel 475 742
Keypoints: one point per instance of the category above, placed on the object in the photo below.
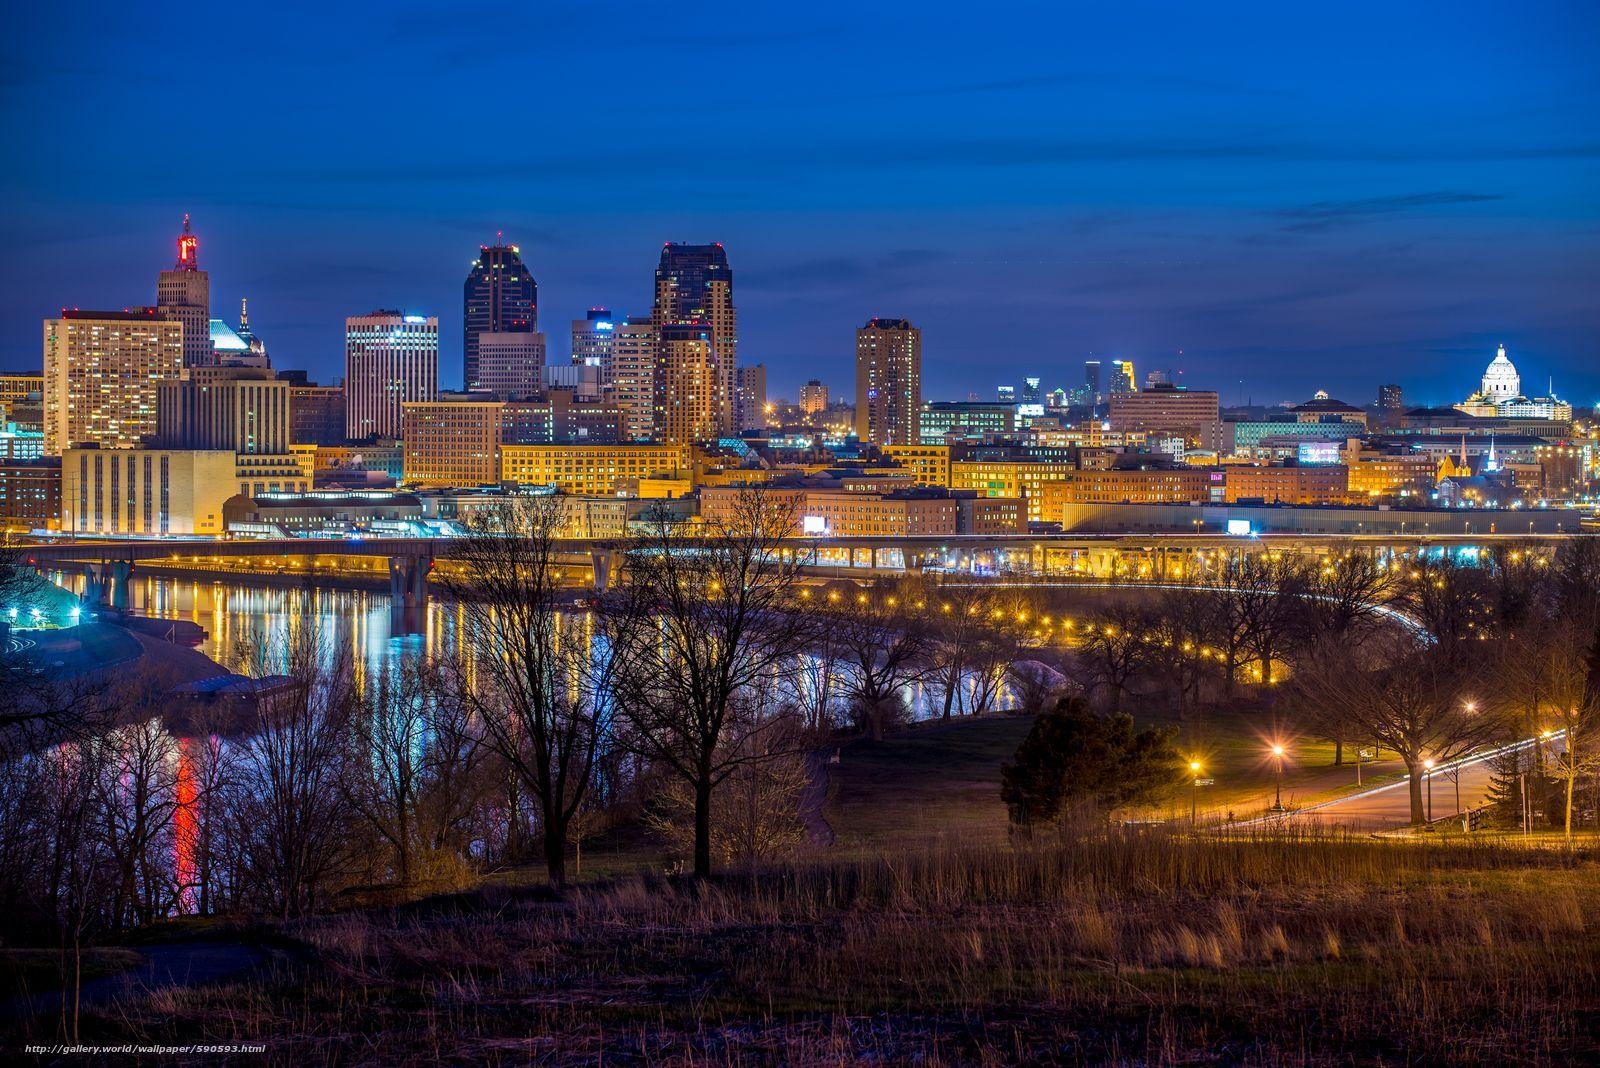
pixel 184 295
pixel 389 358
pixel 694 284
pixel 888 382
pixel 1390 398
pixel 631 376
pixel 102 375
pixel 685 384
pixel 500 297
pixel 1122 380
pixel 1091 379
pixel 592 336
pixel 511 364
pixel 751 396
pixel 813 397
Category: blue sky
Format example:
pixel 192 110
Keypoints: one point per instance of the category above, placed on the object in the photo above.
pixel 1292 196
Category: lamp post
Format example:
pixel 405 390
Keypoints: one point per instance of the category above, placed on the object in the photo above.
pixel 1194 790
pixel 1277 786
pixel 1428 764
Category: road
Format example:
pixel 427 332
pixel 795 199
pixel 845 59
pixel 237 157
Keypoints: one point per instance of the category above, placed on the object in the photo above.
pixel 1389 807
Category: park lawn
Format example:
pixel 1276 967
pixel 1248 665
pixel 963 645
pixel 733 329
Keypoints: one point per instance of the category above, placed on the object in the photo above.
pixel 926 784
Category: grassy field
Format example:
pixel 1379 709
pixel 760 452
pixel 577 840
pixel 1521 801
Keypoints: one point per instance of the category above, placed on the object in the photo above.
pixel 1145 949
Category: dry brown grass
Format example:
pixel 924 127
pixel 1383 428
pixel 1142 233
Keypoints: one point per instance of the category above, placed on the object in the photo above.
pixel 1147 949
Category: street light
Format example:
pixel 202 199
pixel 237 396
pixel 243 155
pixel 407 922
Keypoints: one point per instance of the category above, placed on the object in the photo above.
pixel 1277 789
pixel 1194 790
pixel 1429 765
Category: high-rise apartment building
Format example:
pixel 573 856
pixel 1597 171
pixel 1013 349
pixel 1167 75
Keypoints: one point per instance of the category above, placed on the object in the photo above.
pixel 813 398
pixel 102 376
pixel 592 337
pixel 389 358
pixel 888 382
pixel 499 297
pixel 694 284
pixel 686 384
pixel 510 364
pixel 631 375
pixel 750 396
pixel 1390 398
pixel 183 294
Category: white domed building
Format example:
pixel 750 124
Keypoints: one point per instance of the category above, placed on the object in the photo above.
pixel 1501 395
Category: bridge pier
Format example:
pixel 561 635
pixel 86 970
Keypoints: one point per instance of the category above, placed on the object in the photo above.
pixel 106 584
pixel 408 594
pixel 605 562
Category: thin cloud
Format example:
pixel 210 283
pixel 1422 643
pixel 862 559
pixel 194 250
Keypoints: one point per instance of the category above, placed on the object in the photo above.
pixel 1325 214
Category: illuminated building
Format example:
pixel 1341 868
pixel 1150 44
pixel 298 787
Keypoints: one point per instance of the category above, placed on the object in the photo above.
pixel 145 491
pixel 30 493
pixel 1324 409
pixel 1390 398
pixel 750 397
pixel 560 417
pixel 1322 484
pixel 889 383
pixel 1500 394
pixel 245 410
pixel 583 379
pixel 630 377
pixel 389 359
pixel 102 374
pixel 694 285
pixel 499 297
pixel 1179 485
pixel 1091 381
pixel 929 464
pixel 966 420
pixel 588 469
pixel 1023 478
pixel 686 384
pixel 1373 473
pixel 1122 380
pixel 813 398
pixel 451 442
pixel 510 364
pixel 183 295
pixel 592 337
pixel 1193 414
pixel 19 387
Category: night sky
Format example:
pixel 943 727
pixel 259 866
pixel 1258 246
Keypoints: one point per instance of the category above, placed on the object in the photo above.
pixel 1296 196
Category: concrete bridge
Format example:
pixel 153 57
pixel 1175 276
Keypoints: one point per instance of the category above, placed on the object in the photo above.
pixel 108 564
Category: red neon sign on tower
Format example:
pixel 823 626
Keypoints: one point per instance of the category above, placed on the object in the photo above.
pixel 188 247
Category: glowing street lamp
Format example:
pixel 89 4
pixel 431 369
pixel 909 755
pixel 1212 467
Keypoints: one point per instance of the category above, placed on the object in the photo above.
pixel 1277 789
pixel 1194 790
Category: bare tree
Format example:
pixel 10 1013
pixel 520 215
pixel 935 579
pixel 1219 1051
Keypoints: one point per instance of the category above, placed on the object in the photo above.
pixel 713 621
pixel 1420 698
pixel 540 679
pixel 883 639
pixel 1179 627
pixel 1112 651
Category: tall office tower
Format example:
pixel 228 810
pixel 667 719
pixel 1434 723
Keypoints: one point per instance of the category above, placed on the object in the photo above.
pixel 888 382
pixel 592 337
pixel 686 383
pixel 1091 380
pixel 102 374
pixel 1389 398
pixel 1122 380
pixel 500 297
pixel 511 364
pixel 750 393
pixel 694 284
pixel 632 374
pixel 242 409
pixel 813 397
pixel 1032 390
pixel 389 358
pixel 184 294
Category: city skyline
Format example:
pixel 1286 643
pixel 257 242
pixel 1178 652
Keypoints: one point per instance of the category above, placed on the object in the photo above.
pixel 1323 232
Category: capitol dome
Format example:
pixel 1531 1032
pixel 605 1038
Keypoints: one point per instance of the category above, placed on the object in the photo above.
pixel 1501 381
